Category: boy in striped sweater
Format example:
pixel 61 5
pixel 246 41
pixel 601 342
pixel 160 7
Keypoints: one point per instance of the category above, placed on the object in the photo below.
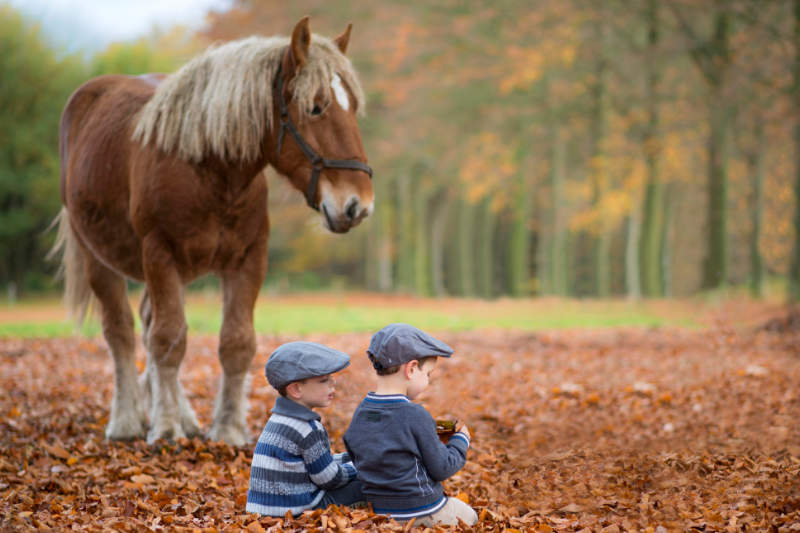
pixel 393 440
pixel 293 468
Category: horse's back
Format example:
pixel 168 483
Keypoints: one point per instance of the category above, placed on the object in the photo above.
pixel 99 113
pixel 96 148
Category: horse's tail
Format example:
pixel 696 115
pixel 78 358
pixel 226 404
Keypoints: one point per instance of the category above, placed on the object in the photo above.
pixel 77 292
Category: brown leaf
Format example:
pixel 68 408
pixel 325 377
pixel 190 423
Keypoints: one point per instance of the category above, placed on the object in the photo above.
pixel 56 450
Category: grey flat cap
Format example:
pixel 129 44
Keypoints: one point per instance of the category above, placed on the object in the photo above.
pixel 298 360
pixel 400 343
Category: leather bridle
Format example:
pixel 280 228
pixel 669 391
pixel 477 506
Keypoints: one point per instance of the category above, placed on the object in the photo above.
pixel 317 161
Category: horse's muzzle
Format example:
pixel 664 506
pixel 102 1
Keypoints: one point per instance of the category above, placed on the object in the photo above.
pixel 348 216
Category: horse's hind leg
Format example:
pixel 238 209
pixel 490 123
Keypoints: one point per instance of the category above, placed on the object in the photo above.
pixel 128 419
pixel 237 345
pixel 148 377
pixel 171 416
pixel 146 317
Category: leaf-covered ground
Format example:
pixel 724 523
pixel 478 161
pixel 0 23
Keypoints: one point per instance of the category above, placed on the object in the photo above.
pixel 594 430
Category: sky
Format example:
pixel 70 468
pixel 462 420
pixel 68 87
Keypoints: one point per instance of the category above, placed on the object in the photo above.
pixel 91 25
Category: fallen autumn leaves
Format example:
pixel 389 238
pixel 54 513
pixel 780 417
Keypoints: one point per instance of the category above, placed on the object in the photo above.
pixel 607 430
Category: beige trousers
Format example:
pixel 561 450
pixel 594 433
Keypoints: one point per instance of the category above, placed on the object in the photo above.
pixel 449 515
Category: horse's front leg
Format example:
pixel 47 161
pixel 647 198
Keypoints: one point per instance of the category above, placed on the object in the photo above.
pixel 171 415
pixel 237 345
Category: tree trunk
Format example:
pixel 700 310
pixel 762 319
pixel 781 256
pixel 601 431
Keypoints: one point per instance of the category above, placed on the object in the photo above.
pixel 518 247
pixel 653 217
pixel 422 281
pixel 715 273
pixel 632 282
pixel 713 59
pixel 794 269
pixel 466 248
pixel 379 241
pixel 755 161
pixel 716 263
pixel 666 242
pixel 441 210
pixel 406 250
pixel 602 241
pixel 485 273
pixel 558 241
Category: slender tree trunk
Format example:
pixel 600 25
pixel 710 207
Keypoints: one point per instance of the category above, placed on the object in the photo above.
pixel 632 281
pixel 485 273
pixel 794 269
pixel 551 253
pixel 379 241
pixel 558 242
pixel 755 161
pixel 653 219
pixel 466 249
pixel 518 248
pixel 441 210
pixel 666 241
pixel 598 166
pixel 422 281
pixel 716 262
pixel 406 256
pixel 371 253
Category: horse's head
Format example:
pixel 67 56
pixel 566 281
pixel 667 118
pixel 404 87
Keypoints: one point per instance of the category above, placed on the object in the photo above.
pixel 317 142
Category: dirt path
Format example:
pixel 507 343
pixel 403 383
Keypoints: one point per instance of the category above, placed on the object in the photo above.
pixel 609 430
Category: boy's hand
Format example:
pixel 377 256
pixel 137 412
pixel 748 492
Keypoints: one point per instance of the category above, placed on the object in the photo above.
pixel 462 428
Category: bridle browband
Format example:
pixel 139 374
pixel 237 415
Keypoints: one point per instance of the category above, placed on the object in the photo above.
pixel 317 161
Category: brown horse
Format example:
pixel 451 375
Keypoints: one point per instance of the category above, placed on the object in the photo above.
pixel 161 181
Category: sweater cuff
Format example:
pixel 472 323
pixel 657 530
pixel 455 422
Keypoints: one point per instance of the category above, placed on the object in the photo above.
pixel 350 471
pixel 342 458
pixel 458 438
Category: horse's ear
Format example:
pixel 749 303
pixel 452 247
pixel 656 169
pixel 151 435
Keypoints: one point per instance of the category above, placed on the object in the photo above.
pixel 343 40
pixel 301 40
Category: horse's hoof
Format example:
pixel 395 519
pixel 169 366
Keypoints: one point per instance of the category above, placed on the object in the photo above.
pixel 228 434
pixel 132 430
pixel 170 434
pixel 191 429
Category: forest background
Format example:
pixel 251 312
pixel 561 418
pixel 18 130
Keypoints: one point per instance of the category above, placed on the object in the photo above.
pixel 521 148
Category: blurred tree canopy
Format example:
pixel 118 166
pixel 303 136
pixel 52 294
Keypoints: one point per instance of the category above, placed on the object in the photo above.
pixel 35 85
pixel 629 147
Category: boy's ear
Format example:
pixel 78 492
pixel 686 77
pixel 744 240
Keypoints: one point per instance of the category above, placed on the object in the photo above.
pixel 409 367
pixel 294 390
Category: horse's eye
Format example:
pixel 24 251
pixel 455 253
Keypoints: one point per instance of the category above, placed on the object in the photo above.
pixel 317 110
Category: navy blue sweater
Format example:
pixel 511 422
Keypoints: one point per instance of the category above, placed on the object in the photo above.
pixel 400 459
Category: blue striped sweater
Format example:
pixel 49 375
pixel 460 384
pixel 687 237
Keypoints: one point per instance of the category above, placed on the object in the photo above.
pixel 292 464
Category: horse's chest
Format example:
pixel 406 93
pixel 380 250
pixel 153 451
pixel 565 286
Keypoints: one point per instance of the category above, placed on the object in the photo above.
pixel 225 240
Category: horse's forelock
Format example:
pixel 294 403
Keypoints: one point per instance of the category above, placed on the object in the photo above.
pixel 221 101
pixel 324 62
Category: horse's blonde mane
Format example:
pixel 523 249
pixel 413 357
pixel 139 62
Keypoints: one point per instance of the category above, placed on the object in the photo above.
pixel 220 102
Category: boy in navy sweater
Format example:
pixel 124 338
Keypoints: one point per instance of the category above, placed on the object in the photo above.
pixel 293 468
pixel 393 442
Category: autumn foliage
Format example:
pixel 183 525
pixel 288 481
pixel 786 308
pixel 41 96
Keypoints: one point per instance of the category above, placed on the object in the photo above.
pixel 661 429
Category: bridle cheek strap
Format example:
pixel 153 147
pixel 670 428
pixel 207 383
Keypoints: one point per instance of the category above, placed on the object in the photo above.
pixel 318 163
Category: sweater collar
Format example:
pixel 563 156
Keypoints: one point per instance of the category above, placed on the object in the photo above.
pixel 286 407
pixel 387 398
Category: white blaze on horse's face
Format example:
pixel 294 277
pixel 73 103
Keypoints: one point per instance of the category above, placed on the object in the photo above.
pixel 344 206
pixel 340 92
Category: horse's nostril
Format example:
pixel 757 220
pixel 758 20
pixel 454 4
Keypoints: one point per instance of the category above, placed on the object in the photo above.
pixel 352 209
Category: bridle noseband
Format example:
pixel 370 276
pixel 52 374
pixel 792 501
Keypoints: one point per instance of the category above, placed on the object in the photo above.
pixel 317 161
